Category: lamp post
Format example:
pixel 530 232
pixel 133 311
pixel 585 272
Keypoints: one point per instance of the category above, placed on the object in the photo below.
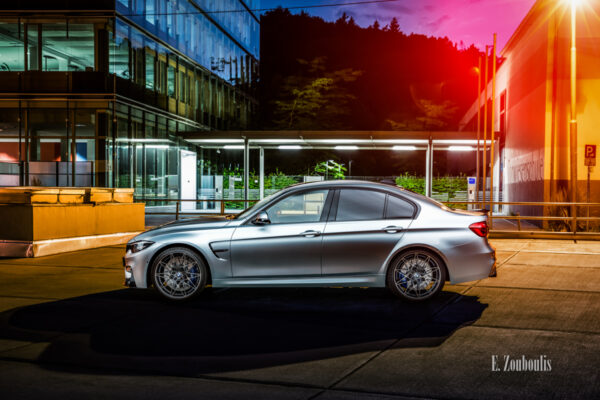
pixel 573 121
pixel 485 123
pixel 478 69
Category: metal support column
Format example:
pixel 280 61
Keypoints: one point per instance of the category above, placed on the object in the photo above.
pixel 428 168
pixel 246 168
pixel 262 173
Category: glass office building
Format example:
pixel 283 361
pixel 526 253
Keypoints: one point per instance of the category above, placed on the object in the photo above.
pixel 104 94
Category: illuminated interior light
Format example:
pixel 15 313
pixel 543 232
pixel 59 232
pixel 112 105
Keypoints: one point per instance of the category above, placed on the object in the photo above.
pixel 461 148
pixel 346 147
pixel 290 147
pixel 144 140
pixel 216 140
pixel 339 141
pixel 401 148
pixel 276 141
pixel 233 147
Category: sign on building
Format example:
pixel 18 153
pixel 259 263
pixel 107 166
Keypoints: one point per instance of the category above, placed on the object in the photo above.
pixel 590 155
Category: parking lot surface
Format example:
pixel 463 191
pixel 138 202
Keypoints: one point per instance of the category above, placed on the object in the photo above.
pixel 68 327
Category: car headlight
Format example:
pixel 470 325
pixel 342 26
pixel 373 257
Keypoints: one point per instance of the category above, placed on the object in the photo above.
pixel 139 245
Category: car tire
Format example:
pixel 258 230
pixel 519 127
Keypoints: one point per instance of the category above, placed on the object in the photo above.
pixel 416 275
pixel 178 274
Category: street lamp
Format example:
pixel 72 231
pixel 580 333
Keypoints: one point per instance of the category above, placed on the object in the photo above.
pixel 478 72
pixel 573 121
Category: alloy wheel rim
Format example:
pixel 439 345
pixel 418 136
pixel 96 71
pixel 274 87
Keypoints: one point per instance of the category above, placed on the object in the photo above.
pixel 178 275
pixel 417 275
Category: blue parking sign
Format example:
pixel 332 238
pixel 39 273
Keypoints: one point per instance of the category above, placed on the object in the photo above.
pixel 471 181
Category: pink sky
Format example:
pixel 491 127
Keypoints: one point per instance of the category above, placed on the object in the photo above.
pixel 470 21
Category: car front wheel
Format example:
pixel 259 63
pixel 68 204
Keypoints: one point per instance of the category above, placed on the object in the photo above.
pixel 416 275
pixel 178 273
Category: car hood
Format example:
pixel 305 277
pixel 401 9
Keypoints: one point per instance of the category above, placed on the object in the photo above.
pixel 195 224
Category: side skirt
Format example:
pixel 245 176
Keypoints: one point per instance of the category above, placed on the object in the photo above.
pixel 346 281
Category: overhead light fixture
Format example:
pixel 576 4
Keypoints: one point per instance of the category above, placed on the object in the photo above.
pixel 276 141
pixel 215 140
pixel 339 141
pixel 400 148
pixel 156 146
pixel 290 147
pixel 346 147
pixel 461 148
pixel 233 147
pixel 144 140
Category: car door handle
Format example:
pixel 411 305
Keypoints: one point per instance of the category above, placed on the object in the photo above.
pixel 392 229
pixel 311 233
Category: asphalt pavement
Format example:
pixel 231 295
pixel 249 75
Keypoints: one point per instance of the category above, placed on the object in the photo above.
pixel 68 329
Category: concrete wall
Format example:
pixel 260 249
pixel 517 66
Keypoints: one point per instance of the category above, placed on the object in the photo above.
pixel 31 222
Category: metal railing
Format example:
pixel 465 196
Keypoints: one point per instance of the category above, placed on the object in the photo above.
pixel 570 221
pixel 178 212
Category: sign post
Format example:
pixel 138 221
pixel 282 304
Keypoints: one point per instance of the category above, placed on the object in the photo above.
pixel 471 190
pixel 590 162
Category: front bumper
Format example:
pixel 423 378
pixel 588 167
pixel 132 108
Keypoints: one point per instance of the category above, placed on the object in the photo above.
pixel 129 279
pixel 136 267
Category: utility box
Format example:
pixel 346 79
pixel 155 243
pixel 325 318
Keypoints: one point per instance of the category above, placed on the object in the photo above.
pixel 471 191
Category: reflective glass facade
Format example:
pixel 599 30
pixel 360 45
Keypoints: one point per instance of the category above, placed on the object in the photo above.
pixel 104 98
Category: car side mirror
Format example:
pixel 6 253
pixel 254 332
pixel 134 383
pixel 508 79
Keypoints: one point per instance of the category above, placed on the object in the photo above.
pixel 261 219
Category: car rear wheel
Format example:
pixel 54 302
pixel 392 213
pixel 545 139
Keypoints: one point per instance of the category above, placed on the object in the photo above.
pixel 416 275
pixel 178 273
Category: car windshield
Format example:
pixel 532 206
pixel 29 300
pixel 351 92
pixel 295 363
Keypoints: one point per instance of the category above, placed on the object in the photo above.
pixel 256 206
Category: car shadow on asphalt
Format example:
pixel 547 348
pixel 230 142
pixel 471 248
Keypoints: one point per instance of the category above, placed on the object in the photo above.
pixel 233 329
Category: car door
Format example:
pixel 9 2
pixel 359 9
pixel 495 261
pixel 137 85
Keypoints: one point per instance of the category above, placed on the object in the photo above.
pixel 364 227
pixel 290 245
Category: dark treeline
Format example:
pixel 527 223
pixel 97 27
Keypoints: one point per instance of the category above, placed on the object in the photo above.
pixel 338 75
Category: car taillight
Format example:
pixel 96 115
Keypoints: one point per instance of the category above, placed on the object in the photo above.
pixel 480 228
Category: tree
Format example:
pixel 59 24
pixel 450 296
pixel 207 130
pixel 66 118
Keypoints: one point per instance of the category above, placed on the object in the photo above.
pixel 435 116
pixel 392 64
pixel 394 26
pixel 317 100
pixel 332 169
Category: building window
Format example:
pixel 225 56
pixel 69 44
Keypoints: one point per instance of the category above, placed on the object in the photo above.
pixel 12 53
pixel 502 114
pixel 67 47
pixel 150 66
pixel 171 80
pixel 150 11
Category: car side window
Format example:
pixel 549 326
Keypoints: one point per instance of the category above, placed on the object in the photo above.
pixel 298 208
pixel 398 208
pixel 360 205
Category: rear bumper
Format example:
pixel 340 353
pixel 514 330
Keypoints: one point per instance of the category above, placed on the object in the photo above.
pixel 471 261
pixel 493 272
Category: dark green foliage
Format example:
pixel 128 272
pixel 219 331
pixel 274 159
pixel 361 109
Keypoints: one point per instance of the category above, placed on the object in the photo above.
pixel 414 81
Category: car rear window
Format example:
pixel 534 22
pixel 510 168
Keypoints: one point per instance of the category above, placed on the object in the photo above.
pixel 398 208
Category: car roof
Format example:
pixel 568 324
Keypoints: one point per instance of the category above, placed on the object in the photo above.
pixel 342 183
pixel 354 183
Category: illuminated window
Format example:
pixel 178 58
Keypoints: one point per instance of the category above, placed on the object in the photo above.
pixel 12 54
pixel 502 116
pixel 67 47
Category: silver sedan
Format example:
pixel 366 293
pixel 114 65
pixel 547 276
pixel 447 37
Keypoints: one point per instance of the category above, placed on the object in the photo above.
pixel 335 233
